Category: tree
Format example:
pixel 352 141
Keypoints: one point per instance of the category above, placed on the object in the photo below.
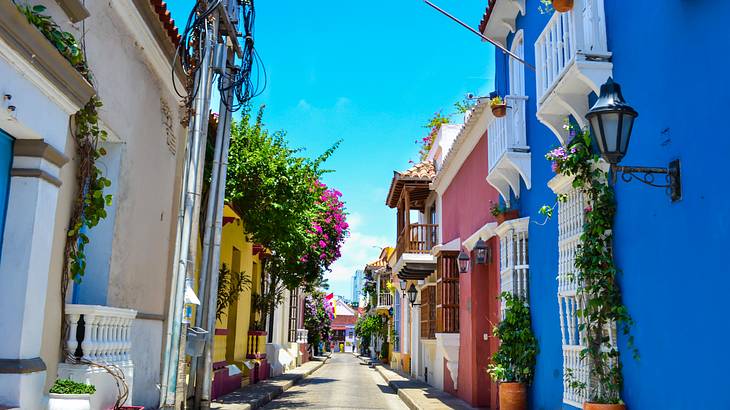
pixel 317 320
pixel 284 207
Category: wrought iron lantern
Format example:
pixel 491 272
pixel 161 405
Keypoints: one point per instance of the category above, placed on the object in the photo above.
pixel 482 252
pixel 464 260
pixel 412 295
pixel 403 285
pixel 612 121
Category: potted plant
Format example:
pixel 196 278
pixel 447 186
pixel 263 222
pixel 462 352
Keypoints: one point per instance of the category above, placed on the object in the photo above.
pixel 502 213
pixel 66 394
pixel 561 6
pixel 498 106
pixel 513 364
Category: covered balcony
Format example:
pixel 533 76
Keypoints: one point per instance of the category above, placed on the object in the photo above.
pixel 572 60
pixel 409 193
pixel 509 154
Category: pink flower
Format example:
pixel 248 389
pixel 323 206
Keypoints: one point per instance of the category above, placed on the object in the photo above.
pixel 322 244
pixel 588 209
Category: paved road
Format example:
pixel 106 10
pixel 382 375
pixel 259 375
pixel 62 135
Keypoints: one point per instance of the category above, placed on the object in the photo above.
pixel 342 383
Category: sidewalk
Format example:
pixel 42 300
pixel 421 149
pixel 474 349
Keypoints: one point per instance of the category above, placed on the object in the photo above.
pixel 416 394
pixel 257 395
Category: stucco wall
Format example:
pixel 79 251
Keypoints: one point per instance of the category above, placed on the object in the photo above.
pixel 146 192
pixel 465 203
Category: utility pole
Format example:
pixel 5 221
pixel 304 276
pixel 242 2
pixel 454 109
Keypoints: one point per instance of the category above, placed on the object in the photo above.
pixel 215 27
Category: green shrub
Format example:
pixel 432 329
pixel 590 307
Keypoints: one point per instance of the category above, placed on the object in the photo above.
pixel 514 361
pixel 68 386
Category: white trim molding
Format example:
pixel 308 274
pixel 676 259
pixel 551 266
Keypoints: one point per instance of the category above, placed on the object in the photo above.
pixel 485 232
pixel 474 128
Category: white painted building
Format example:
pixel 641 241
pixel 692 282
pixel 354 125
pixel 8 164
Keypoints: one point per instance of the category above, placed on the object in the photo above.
pixel 123 296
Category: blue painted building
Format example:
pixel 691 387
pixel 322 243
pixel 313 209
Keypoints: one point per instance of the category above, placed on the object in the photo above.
pixel 671 62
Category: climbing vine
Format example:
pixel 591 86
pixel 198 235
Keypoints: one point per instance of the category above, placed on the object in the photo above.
pixel 602 308
pixel 64 42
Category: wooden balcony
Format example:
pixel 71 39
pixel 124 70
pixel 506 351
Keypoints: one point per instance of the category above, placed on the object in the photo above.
pixel 417 238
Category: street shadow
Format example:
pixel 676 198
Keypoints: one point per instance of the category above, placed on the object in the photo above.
pixel 315 380
pixel 386 389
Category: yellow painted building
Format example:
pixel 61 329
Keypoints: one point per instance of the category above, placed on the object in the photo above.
pixel 231 334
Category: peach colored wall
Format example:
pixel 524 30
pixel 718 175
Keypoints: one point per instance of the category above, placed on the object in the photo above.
pixel 466 205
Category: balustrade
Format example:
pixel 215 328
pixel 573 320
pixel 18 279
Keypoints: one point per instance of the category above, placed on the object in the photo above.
pixel 302 335
pixel 385 299
pixel 99 334
pixel 509 132
pixel 417 238
pixel 580 31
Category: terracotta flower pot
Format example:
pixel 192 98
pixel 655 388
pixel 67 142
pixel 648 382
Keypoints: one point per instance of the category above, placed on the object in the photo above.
pixel 563 6
pixel 598 406
pixel 512 396
pixel 508 215
pixel 499 110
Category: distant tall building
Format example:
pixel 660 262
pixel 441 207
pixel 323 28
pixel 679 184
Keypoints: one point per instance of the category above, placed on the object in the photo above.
pixel 357 281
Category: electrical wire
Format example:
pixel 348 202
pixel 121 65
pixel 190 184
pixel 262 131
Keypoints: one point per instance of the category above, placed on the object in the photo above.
pixel 249 79
pixel 187 52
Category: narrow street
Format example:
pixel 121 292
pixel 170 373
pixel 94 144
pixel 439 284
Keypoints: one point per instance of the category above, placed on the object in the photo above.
pixel 342 383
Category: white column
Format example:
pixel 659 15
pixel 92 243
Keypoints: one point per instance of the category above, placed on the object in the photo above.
pixel 24 267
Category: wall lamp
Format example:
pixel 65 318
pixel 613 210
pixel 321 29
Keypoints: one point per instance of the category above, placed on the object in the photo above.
pixel 412 295
pixel 464 260
pixel 403 287
pixel 612 121
pixel 483 253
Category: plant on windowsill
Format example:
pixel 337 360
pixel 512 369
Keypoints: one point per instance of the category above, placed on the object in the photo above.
pixel 502 213
pixel 498 106
pixel 513 364
pixel 602 308
pixel 66 394
pixel 561 6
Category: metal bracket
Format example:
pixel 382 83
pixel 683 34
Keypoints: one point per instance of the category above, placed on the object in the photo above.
pixel 646 175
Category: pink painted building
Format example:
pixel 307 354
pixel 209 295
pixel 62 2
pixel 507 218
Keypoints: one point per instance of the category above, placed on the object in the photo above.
pixel 465 198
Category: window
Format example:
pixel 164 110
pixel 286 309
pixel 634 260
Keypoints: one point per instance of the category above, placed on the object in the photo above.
pixel 514 263
pixel 570 227
pixel 396 323
pixel 447 293
pixel 517 69
pixel 428 312
pixel 293 314
pixel 6 162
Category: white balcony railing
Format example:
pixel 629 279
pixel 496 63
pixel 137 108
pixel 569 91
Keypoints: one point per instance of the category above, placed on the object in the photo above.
pixel 509 132
pixel 385 299
pixel 99 334
pixel 302 335
pixel 580 31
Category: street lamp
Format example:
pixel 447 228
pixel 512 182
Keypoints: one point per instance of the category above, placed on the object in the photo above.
pixel 403 286
pixel 412 295
pixel 464 262
pixel 612 121
pixel 481 251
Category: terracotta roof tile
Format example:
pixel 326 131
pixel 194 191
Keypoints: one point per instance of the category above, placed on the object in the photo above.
pixel 423 170
pixel 487 14
pixel 167 21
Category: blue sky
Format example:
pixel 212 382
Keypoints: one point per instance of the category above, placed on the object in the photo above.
pixel 369 73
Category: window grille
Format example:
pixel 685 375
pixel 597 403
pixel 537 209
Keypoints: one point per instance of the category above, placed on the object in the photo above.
pixel 428 312
pixel 447 293
pixel 293 314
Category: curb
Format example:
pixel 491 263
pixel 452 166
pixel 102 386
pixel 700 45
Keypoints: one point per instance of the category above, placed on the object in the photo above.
pixel 276 390
pixel 401 395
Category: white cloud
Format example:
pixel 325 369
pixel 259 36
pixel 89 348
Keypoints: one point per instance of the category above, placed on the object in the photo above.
pixel 359 248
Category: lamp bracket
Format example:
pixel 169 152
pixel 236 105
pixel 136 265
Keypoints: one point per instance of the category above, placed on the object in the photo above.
pixel 646 175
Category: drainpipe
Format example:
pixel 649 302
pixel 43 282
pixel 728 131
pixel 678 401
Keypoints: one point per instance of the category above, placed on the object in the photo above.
pixel 211 254
pixel 187 220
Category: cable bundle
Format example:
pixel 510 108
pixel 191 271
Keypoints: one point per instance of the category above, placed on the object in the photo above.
pixel 248 80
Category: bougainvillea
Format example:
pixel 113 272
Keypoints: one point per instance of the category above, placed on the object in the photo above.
pixel 317 319
pixel 329 229
pixel 433 126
